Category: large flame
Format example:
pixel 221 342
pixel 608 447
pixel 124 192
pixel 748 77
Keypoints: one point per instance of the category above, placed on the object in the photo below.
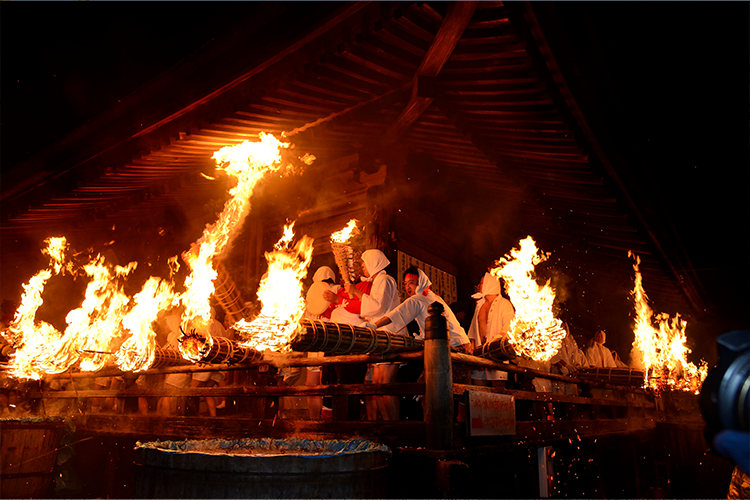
pixel 534 332
pixel 248 163
pixel 111 327
pixel 280 293
pixel 93 330
pixel 659 349
pixel 138 351
pixel 31 338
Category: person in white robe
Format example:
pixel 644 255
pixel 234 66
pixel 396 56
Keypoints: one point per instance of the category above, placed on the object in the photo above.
pixel 598 355
pixel 314 375
pixel 492 318
pixel 415 308
pixel 367 302
pixel 567 361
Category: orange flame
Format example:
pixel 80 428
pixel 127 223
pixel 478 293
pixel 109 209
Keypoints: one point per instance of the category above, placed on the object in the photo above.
pixel 95 331
pixel 248 163
pixel 30 338
pixel 138 351
pixel 280 293
pixel 534 332
pixel 346 234
pixel 660 350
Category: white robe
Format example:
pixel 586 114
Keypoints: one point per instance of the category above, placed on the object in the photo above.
pixel 574 357
pixel 415 308
pixel 382 299
pixel 499 316
pixel 599 356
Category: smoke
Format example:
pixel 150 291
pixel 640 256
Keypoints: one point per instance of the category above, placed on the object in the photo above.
pixel 558 280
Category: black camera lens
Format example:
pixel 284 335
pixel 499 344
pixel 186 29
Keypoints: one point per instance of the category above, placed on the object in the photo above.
pixel 725 395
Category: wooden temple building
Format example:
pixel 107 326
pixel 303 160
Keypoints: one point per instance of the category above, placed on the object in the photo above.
pixel 450 130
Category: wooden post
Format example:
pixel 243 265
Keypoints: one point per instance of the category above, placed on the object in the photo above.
pixel 438 407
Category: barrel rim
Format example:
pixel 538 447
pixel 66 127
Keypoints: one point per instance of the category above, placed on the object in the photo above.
pixel 306 448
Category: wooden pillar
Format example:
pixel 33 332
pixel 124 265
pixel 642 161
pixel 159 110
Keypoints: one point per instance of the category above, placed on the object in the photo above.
pixel 438 408
pixel 379 222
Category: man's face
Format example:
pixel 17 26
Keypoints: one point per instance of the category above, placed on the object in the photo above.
pixel 600 337
pixel 364 270
pixel 410 284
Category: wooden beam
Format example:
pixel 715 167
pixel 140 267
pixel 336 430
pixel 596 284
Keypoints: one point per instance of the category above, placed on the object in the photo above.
pixel 234 391
pixel 437 55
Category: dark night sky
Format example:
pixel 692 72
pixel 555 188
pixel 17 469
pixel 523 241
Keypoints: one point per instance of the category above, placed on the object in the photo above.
pixel 679 71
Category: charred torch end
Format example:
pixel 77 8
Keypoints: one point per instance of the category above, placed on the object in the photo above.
pixel 194 346
pixel 497 350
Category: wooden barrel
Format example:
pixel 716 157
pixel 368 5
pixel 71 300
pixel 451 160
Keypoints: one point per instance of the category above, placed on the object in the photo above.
pixel 261 468
pixel 28 449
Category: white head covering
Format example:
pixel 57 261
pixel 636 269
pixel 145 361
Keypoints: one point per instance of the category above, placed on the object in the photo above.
pixel 424 283
pixel 375 260
pixel 490 286
pixel 604 336
pixel 323 273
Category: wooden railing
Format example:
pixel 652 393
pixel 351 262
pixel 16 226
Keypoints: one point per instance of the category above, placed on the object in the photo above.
pixel 253 396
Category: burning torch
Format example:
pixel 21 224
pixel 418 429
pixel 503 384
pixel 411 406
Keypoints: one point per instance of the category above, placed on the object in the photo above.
pixel 343 252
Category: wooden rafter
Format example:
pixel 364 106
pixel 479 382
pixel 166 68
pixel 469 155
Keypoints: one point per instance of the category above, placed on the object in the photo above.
pixel 445 41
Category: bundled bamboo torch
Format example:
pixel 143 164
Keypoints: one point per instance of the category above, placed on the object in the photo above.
pixel 343 252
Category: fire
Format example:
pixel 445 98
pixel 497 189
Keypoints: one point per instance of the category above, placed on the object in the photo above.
pixel 248 163
pixel 280 293
pixel 138 351
pixel 109 326
pixel 345 234
pixel 534 332
pixel 343 253
pixel 93 330
pixel 660 350
pixel 29 337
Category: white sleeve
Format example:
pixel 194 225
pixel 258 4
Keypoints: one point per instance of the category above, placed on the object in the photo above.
pixel 457 334
pixel 406 312
pixel 473 332
pixel 609 360
pixel 507 314
pixel 378 302
pixel 591 357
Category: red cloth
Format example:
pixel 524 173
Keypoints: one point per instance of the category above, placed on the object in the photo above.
pixel 354 305
pixel 327 313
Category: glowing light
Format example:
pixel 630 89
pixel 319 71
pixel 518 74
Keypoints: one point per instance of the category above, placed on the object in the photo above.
pixel 535 333
pixel 659 347
pixel 138 351
pixel 346 233
pixel 110 327
pixel 280 293
pixel 248 163
pixel 342 252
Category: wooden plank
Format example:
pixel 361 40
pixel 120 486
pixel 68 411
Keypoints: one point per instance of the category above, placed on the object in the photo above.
pixel 148 427
pixel 229 391
pixel 561 398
